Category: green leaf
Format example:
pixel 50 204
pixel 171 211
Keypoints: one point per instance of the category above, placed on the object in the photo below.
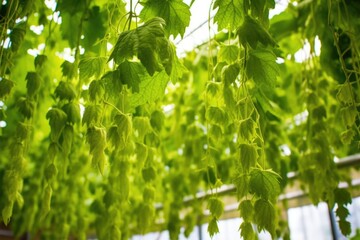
pixel 69 26
pixel 246 209
pixel 124 128
pixel 149 194
pixel 142 126
pixel 229 14
pixel 242 185
pixel 67 139
pixel 114 233
pixel 91 67
pixel 96 90
pixel 93 28
pixel 69 69
pixel 96 137
pixel 175 13
pixel 51 172
pixel 216 207
pixel 347 136
pixel 46 206
pixel 33 83
pixel 146 218
pixel 7 212
pixel 342 212
pixel 213 227
pixel 345 227
pixel 151 89
pixel 40 60
pixel 216 115
pixel 342 196
pixel 213 89
pixel 57 119
pixel 92 115
pixel 230 73
pixel 251 32
pixel 247 231
pixel 248 156
pixel 157 120
pixel 5 87
pixel 262 68
pixel 72 111
pixel 26 107
pixel 131 73
pixel 124 187
pixel 349 115
pixel 264 183
pixel 228 53
pixel 16 37
pixel 65 90
pixel 215 132
pixel 345 93
pixel 264 216
pixel 125 47
pixel 247 128
pixel 148 174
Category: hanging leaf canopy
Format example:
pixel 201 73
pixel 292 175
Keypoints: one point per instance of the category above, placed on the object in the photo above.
pixel 105 131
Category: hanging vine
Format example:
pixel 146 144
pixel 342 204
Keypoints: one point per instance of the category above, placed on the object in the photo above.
pixel 105 130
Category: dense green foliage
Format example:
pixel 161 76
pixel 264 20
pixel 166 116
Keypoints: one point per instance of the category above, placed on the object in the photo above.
pixel 88 145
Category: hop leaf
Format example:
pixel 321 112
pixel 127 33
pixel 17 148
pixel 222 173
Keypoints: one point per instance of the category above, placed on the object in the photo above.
pixel 242 185
pixel 265 216
pixel 247 231
pixel 148 174
pixel 149 194
pixel 124 127
pixel 7 212
pixel 50 172
pixel 175 13
pixel 149 44
pixel 345 227
pixel 248 155
pixel 230 73
pixel 46 206
pixel 131 74
pixel 68 69
pixel 251 32
pixel 39 61
pixel 91 67
pixel 57 119
pixel 229 15
pixel 262 68
pixel 228 53
pixel 345 93
pixel 96 137
pixel 16 37
pixel 96 90
pixel 349 115
pixel 247 128
pixel 5 87
pixel 124 187
pixel 264 183
pixel 157 120
pixel 92 115
pixel 33 83
pixel 216 207
pixel 216 115
pixel 65 91
pixel 213 227
pixel 26 107
pixel 72 111
pixel 246 210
